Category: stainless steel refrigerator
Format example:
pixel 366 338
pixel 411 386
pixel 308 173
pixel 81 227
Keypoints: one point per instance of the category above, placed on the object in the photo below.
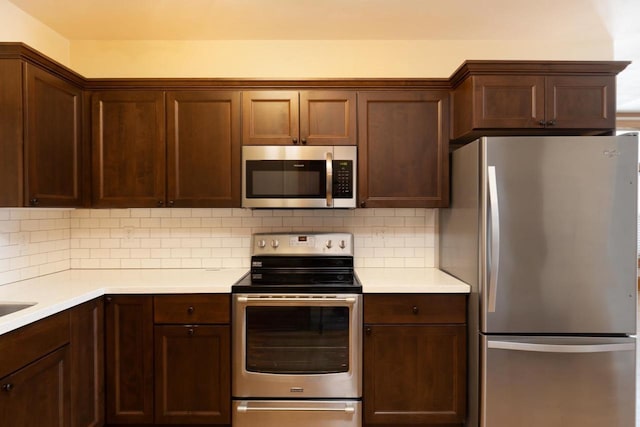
pixel 544 231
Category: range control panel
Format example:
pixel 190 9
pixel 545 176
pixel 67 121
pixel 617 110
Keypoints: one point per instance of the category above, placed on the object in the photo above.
pixel 302 244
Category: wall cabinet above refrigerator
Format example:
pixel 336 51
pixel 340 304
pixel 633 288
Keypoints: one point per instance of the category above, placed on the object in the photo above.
pixel 525 98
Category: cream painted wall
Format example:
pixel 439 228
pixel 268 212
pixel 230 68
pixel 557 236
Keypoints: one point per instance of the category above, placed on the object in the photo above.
pixel 312 58
pixel 18 26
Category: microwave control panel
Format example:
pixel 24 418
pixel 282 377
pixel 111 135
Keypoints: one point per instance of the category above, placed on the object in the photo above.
pixel 343 179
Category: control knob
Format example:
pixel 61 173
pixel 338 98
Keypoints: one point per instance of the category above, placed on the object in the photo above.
pixel 328 244
pixel 342 244
pixel 262 243
pixel 275 243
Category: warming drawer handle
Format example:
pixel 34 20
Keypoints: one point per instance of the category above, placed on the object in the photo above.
pixel 244 407
pixel 306 300
pixel 561 348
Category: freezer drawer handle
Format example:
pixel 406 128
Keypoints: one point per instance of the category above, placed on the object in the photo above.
pixel 559 348
pixel 244 407
pixel 495 239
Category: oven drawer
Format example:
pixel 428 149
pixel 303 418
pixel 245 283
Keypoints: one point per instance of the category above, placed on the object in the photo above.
pixel 192 308
pixel 288 413
pixel 414 308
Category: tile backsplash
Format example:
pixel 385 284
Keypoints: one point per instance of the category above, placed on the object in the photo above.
pixel 34 242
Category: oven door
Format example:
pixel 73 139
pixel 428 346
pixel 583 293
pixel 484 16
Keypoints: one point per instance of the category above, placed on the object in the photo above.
pixel 297 346
pixel 298 177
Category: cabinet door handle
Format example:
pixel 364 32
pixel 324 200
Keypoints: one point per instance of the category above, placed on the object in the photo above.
pixel 34 202
pixel 171 203
pixel 303 140
pixel 7 387
pixel 542 123
pixel 191 309
pixel 415 309
pixel 551 123
pixel 295 140
pixel 363 204
pixel 367 331
pixel 190 332
pixel 160 203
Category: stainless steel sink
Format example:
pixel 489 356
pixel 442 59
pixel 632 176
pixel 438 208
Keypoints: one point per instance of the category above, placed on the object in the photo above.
pixel 12 307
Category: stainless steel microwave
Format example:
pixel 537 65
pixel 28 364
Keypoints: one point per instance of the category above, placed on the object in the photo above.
pixel 299 176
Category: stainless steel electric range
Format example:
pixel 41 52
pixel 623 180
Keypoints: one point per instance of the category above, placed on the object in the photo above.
pixel 297 333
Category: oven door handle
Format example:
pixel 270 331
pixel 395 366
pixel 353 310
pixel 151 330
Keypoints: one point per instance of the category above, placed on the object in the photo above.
pixel 296 300
pixel 244 407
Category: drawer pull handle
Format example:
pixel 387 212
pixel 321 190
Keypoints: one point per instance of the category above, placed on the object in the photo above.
pixel 191 331
pixel 7 387
pixel 190 310
pixel 415 309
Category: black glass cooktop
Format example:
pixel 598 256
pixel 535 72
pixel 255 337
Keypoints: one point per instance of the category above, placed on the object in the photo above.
pixel 299 275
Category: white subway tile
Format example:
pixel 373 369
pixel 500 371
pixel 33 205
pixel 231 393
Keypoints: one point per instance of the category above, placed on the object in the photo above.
pixel 130 263
pixel 191 263
pixel 231 263
pixel 140 253
pixel 140 213
pixel 160 253
pixel 180 212
pixel 150 263
pixel 109 223
pixel 160 213
pixel 171 263
pixel 110 263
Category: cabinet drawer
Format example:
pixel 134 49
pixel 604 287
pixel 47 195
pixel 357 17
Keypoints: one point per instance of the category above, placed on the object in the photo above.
pixel 24 345
pixel 191 309
pixel 415 308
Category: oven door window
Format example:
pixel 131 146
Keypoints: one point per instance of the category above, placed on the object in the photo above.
pixel 297 340
pixel 286 179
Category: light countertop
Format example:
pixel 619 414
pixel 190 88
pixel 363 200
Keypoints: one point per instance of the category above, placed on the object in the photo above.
pixel 59 291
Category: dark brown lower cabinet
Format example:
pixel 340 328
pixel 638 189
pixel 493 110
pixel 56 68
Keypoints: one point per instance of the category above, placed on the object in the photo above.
pixel 129 359
pixel 168 359
pixel 192 381
pixel 38 395
pixel 414 360
pixel 87 360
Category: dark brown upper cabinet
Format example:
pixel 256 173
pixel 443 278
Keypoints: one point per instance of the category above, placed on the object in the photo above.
pixel 314 117
pixel 534 98
pixel 40 137
pixel 193 161
pixel 403 149
pixel 128 144
pixel 203 149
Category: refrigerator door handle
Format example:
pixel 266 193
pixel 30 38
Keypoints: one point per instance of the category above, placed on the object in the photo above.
pixel 494 250
pixel 560 348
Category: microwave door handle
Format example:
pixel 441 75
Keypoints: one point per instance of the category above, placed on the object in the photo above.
pixel 329 179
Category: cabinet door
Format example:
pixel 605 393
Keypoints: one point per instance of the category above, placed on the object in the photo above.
pixel 270 117
pixel 193 365
pixel 129 359
pixel 403 149
pixel 583 102
pixel 38 394
pixel 508 102
pixel 414 374
pixel 52 140
pixel 11 133
pixel 87 359
pixel 203 154
pixel 328 117
pixel 128 149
